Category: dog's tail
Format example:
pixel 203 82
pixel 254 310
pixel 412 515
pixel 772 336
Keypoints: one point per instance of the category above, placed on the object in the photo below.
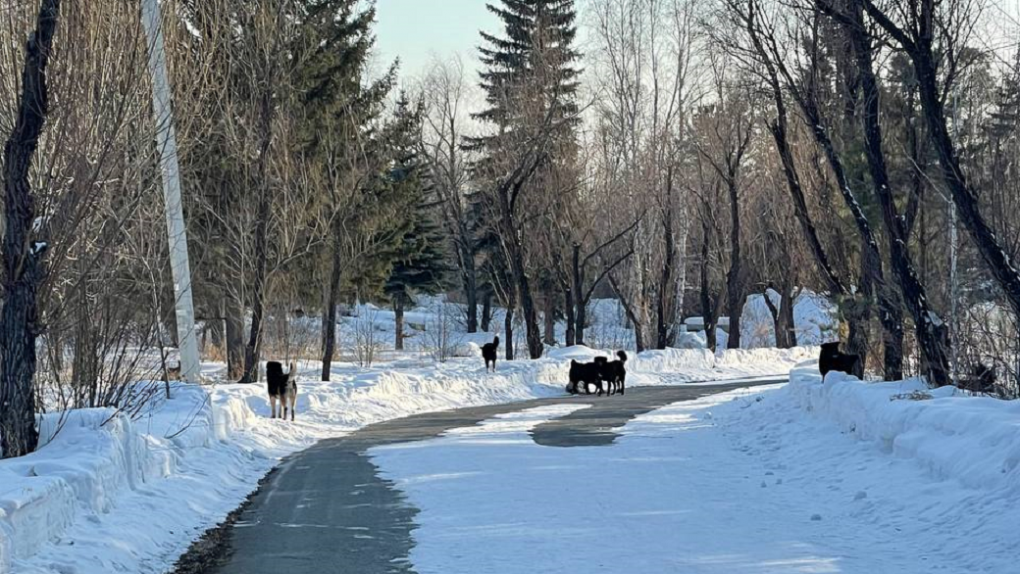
pixel 495 342
pixel 292 374
pixel 623 356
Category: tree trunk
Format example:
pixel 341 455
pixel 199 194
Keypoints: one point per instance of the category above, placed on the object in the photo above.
pixel 580 319
pixel 707 302
pixel 469 276
pixel 932 335
pixel 534 336
pixel 734 279
pixel 891 318
pixel 215 326
pixel 518 271
pixel 487 311
pixel 398 319
pixel 782 316
pixel 508 328
pixel 85 365
pixel 253 349
pixel 857 314
pixel 665 300
pixel 23 252
pixel 577 289
pixel 571 335
pixel 233 313
pixel 329 316
pixel 786 317
pixel 549 317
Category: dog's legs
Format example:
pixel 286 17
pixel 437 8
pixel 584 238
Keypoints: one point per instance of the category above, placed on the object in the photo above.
pixel 272 407
pixel 293 406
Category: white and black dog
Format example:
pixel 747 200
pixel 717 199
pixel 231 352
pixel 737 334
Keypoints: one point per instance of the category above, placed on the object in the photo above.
pixel 282 389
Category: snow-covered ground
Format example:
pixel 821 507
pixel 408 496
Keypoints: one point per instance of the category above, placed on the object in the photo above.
pixel 836 478
pixel 111 493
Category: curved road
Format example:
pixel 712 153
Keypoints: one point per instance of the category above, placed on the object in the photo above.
pixel 326 509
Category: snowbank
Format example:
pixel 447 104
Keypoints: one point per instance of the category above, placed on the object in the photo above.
pixel 975 440
pixel 703 364
pixel 97 457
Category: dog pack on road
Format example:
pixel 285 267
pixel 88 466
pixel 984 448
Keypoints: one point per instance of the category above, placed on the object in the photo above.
pixel 605 376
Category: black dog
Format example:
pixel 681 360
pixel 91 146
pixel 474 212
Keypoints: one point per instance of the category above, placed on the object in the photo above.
pixel 282 389
pixel 489 354
pixel 615 374
pixel 982 379
pixel 587 373
pixel 831 359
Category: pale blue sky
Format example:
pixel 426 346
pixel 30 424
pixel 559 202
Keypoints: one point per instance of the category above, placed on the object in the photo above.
pixel 418 30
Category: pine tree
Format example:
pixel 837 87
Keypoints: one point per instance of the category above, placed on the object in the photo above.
pixel 530 81
pixel 419 264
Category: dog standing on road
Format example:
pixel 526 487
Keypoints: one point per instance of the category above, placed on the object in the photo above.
pixel 614 373
pixel 589 374
pixel 489 351
pixel 282 389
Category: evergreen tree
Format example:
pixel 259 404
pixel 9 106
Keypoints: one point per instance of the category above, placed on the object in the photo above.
pixel 419 263
pixel 530 81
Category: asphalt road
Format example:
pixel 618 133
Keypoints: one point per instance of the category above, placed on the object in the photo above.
pixel 326 510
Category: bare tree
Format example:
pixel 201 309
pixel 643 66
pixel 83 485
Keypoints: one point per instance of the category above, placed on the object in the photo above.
pixel 645 58
pixel 24 245
pixel 927 26
pixel 444 91
pixel 723 140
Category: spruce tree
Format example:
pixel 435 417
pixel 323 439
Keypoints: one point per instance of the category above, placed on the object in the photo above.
pixel 530 81
pixel 419 264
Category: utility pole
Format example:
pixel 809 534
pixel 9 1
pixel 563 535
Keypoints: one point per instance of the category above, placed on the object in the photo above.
pixel 166 144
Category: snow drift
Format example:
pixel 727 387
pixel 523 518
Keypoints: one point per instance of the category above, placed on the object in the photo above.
pixel 953 435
